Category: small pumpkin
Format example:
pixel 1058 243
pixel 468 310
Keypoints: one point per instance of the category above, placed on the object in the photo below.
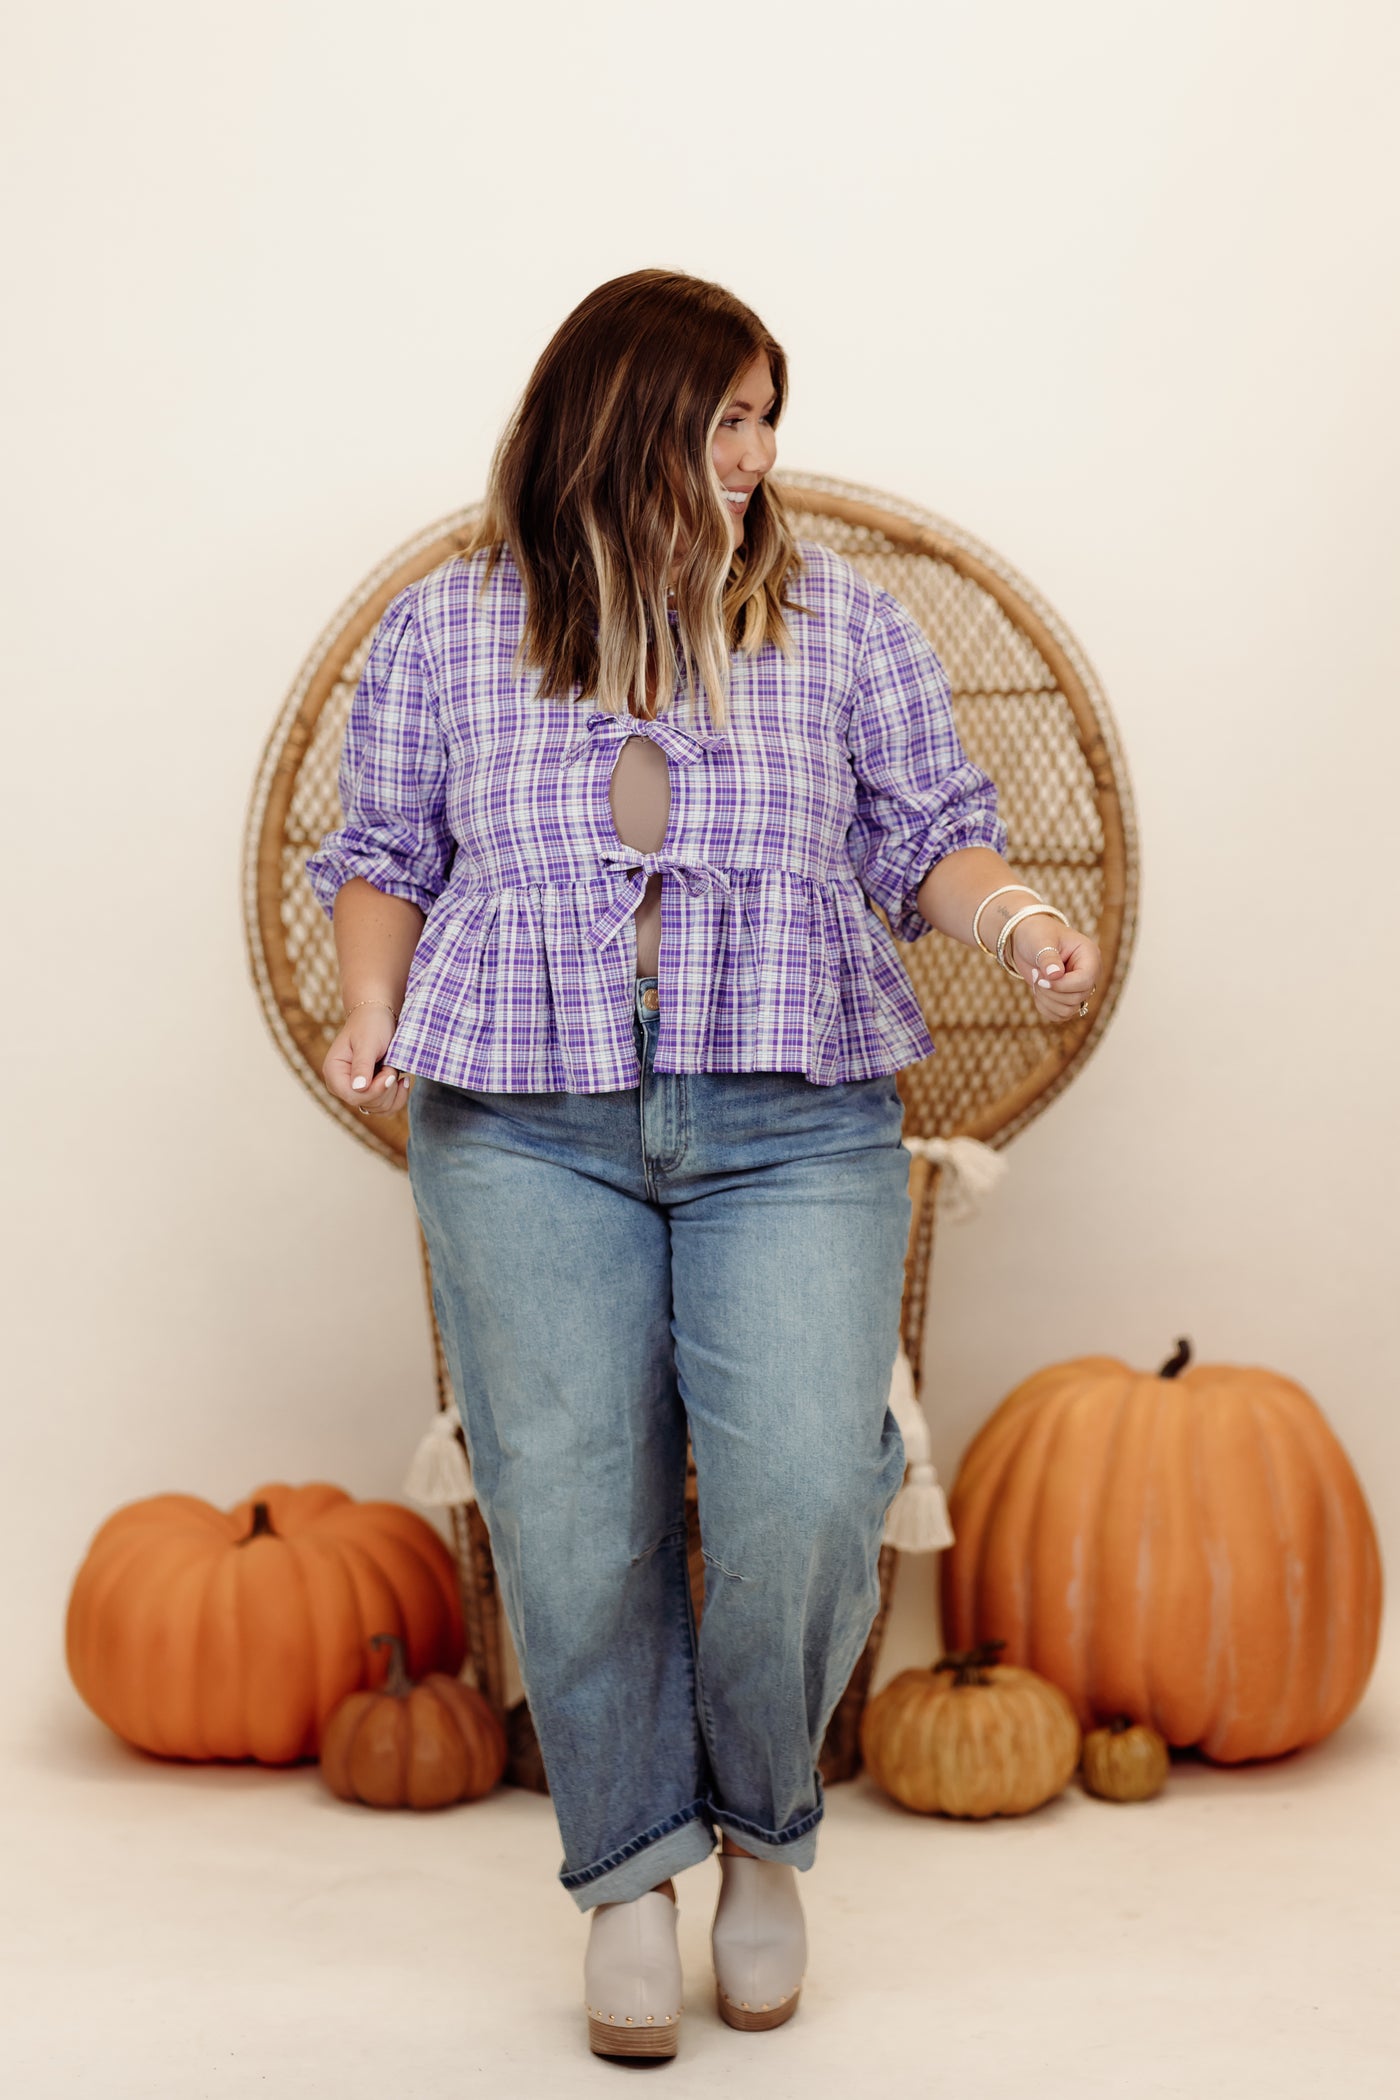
pixel 1190 1546
pixel 970 1737
pixel 209 1634
pixel 423 1745
pixel 1126 1761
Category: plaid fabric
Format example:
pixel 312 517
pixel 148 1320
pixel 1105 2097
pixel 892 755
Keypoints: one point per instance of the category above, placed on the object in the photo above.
pixel 839 777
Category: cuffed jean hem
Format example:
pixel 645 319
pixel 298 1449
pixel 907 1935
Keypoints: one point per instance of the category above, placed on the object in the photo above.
pixel 794 1847
pixel 681 1841
pixel 645 1861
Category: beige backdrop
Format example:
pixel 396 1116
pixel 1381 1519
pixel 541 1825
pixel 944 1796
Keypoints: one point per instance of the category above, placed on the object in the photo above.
pixel 1113 287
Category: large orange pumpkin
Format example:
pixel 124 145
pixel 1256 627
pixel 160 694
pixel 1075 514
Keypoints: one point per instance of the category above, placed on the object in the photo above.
pixel 201 1633
pixel 1189 1548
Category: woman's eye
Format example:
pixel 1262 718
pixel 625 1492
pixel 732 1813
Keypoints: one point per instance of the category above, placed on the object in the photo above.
pixel 739 419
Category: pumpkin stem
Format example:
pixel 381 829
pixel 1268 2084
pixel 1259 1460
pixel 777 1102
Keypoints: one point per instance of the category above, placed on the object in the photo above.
pixel 970 1663
pixel 262 1525
pixel 398 1682
pixel 1178 1362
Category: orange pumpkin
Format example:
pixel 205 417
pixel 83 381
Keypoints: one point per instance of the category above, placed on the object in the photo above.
pixel 1189 1548
pixel 200 1633
pixel 423 1745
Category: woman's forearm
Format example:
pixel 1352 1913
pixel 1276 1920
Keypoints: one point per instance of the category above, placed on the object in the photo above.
pixel 375 936
pixel 952 890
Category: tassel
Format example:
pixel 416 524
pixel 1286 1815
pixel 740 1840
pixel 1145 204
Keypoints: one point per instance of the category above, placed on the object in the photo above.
pixel 971 1170
pixel 918 1520
pixel 439 1476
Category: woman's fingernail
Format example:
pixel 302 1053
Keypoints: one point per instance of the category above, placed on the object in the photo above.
pixel 388 1079
pixel 358 1083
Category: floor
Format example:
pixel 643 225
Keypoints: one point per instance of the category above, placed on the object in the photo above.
pixel 201 1931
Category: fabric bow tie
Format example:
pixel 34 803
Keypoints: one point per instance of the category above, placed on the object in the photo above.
pixel 603 727
pixel 697 876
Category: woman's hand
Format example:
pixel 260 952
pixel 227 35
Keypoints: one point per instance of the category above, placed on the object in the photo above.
pixel 1060 965
pixel 356 1054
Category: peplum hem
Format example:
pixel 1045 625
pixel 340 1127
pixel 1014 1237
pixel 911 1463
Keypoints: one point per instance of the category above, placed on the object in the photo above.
pixel 530 987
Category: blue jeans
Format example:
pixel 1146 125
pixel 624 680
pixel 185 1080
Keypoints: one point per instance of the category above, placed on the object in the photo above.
pixel 721 1253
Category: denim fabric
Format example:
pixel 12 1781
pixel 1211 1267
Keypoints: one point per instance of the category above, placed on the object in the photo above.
pixel 722 1251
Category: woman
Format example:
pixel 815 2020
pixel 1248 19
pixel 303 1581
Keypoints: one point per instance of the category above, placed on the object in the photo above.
pixel 618 782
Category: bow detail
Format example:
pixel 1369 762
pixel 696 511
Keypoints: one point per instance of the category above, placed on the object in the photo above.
pixel 696 876
pixel 603 728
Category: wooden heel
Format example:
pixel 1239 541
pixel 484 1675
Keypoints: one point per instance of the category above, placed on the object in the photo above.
pixel 655 2037
pixel 754 2018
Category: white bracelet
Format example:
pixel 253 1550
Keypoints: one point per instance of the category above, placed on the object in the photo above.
pixel 1031 911
pixel 976 916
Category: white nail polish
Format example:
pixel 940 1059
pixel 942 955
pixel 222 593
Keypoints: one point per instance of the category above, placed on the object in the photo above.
pixel 358 1083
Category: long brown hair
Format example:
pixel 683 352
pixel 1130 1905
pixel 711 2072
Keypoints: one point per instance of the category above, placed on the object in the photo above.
pixel 605 468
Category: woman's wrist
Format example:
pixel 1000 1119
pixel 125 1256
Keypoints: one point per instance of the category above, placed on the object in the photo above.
pixel 1039 929
pixel 995 909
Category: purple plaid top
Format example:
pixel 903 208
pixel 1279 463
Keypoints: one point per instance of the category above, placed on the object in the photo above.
pixel 839 778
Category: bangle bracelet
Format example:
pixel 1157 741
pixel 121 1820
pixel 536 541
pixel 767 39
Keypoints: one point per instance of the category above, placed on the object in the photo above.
pixel 976 916
pixel 1030 912
pixel 371 1002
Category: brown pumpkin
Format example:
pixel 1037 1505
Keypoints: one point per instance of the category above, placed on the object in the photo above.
pixel 988 1739
pixel 424 1745
pixel 1124 1762
pixel 201 1633
pixel 1188 1547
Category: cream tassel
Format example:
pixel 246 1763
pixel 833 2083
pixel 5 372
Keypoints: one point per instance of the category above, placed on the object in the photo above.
pixel 971 1170
pixel 439 1476
pixel 918 1520
pixel 918 1516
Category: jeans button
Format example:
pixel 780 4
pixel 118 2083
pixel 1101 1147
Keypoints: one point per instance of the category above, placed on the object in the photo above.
pixel 651 998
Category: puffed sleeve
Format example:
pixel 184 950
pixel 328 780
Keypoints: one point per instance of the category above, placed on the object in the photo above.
pixel 918 795
pixel 393 776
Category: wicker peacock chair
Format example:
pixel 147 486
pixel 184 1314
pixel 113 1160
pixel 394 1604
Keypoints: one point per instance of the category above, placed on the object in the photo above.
pixel 1029 710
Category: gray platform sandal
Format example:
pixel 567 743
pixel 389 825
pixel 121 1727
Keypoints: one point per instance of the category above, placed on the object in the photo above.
pixel 632 1977
pixel 759 1942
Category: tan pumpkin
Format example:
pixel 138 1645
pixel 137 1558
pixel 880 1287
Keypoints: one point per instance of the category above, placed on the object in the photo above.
pixel 1188 1547
pixel 424 1745
pixel 1124 1761
pixel 970 1737
pixel 206 1634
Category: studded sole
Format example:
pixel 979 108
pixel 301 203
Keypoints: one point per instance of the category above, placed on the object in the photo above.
pixel 622 2038
pixel 752 2018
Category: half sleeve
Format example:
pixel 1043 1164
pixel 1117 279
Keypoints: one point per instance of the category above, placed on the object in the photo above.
pixel 918 795
pixel 393 776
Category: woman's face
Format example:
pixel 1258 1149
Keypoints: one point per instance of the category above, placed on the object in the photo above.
pixel 745 445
